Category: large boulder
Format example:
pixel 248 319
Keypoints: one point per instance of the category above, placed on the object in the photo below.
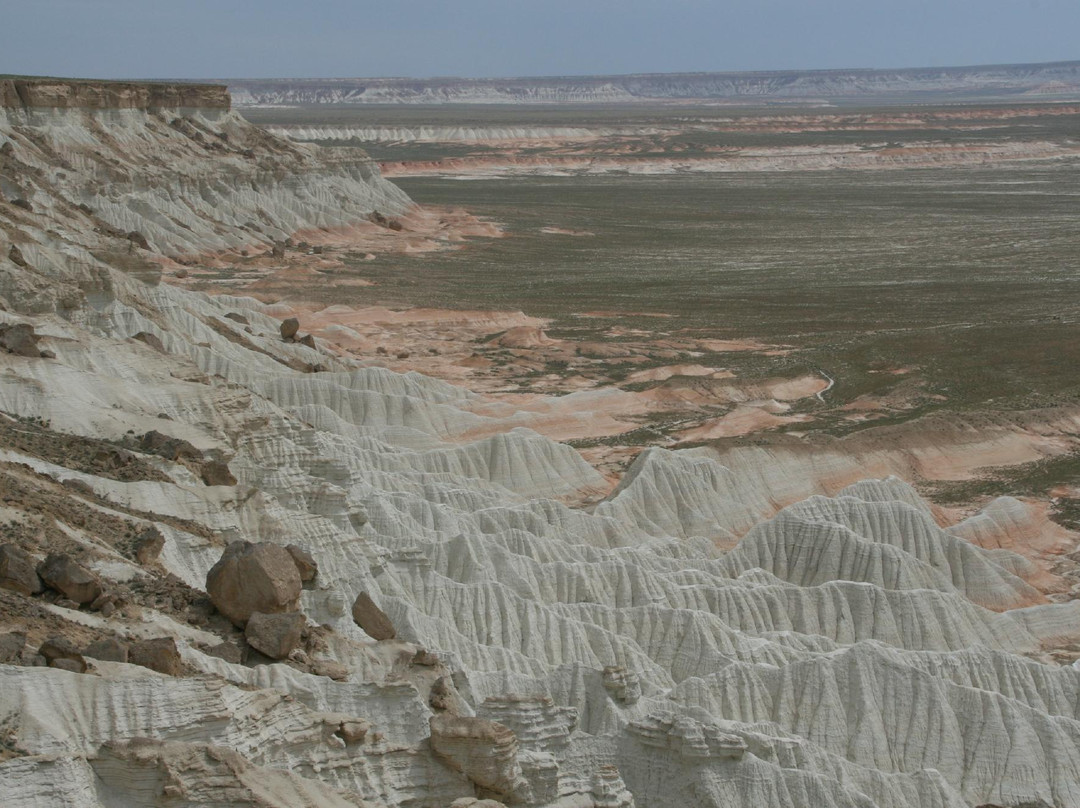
pixel 61 572
pixel 253 578
pixel 372 619
pixel 159 654
pixel 275 635
pixel 17 571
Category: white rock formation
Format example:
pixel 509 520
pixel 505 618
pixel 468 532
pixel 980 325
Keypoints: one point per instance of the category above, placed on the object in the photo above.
pixel 846 652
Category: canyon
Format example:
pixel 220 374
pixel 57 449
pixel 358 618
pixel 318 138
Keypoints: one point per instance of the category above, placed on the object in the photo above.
pixel 265 541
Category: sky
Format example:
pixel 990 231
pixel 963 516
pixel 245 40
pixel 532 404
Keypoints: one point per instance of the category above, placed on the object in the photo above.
pixel 488 38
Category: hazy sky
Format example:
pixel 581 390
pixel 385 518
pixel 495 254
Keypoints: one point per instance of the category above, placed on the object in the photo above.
pixel 245 38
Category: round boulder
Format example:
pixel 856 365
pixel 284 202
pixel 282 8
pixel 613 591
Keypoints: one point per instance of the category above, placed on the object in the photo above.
pixel 289 327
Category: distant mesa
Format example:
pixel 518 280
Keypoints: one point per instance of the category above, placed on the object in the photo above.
pixel 1046 79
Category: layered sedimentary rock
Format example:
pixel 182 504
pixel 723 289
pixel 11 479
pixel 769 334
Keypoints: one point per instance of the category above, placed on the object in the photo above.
pixel 689 640
pixel 171 168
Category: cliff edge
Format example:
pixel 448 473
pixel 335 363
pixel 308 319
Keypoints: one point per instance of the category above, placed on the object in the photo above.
pixel 172 163
pixel 36 93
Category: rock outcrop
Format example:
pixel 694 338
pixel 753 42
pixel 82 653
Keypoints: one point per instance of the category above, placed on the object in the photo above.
pixel 484 751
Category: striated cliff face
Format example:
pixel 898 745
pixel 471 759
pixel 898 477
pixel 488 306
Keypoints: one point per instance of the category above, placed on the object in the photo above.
pixel 1050 79
pixel 62 93
pixel 847 652
pixel 175 165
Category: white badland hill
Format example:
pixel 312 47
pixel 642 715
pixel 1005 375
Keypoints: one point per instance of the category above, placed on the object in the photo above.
pixel 504 645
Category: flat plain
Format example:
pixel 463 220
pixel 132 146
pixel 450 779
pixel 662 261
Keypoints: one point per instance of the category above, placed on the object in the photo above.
pixel 947 286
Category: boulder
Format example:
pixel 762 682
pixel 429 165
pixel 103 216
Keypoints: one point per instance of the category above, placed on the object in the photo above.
pixel 275 635
pixel 216 472
pixel 441 697
pixel 19 339
pixel 17 571
pixel 61 572
pixel 107 649
pixel 354 730
pixel 159 654
pixel 305 562
pixel 138 239
pixel 56 649
pixel 253 578
pixel 330 669
pixel 372 619
pixel 289 328
pixel 103 602
pixel 336 603
pixel 237 317
pixel 170 448
pixel 81 486
pixel 72 665
pixel 16 257
pixel 148 546
pixel 307 340
pixel 229 651
pixel 151 339
pixel 11 647
pixel 424 658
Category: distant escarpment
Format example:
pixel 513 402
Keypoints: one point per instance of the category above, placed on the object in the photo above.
pixel 173 168
pixel 1052 79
